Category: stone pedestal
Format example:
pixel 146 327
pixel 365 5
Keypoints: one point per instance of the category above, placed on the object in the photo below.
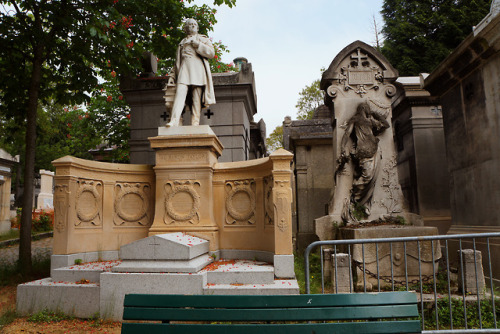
pixel 185 160
pixel 392 258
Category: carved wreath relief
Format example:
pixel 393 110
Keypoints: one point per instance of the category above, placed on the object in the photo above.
pixel 240 202
pixel 61 200
pixel 182 202
pixel 89 203
pixel 132 204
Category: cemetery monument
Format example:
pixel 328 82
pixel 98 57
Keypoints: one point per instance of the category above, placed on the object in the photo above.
pixel 159 228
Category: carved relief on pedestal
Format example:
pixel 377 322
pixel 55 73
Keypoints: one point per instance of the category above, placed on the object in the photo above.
pixel 240 202
pixel 282 205
pixel 268 201
pixel 182 202
pixel 61 200
pixel 392 201
pixel 132 204
pixel 88 203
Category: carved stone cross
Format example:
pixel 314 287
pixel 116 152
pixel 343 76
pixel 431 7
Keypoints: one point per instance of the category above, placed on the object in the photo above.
pixel 208 113
pixel 165 116
pixel 359 57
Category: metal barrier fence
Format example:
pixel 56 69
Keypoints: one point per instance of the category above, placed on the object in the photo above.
pixel 453 299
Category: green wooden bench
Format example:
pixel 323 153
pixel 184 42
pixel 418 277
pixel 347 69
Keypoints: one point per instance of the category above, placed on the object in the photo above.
pixel 386 312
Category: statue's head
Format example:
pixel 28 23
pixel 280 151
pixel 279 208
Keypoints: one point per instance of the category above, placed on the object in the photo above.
pixel 190 27
pixel 363 109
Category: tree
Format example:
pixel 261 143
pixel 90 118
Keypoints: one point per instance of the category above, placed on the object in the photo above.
pixel 52 50
pixel 310 98
pixel 419 34
pixel 275 139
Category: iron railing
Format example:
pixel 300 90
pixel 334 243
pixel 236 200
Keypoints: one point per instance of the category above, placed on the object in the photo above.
pixel 451 301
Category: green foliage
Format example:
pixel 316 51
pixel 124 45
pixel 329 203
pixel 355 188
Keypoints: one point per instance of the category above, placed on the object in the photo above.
pixel 7 317
pixel 275 139
pixel 419 34
pixel 10 272
pixel 11 234
pixel 457 312
pixel 43 223
pixel 54 51
pixel 314 272
pixel 310 98
pixel 359 211
pixel 78 261
pixel 48 316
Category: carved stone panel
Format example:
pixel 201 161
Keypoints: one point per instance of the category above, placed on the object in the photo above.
pixel 282 205
pixel 240 202
pixel 89 203
pixel 182 202
pixel 61 200
pixel 268 201
pixel 132 202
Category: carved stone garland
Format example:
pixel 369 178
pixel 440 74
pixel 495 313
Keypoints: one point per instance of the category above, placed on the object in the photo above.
pixel 132 204
pixel 182 202
pixel 240 202
pixel 268 201
pixel 282 205
pixel 89 203
pixel 61 198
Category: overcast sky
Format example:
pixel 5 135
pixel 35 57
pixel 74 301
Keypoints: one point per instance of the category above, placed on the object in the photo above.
pixel 289 41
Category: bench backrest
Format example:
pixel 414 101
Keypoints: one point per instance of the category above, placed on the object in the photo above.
pixel 215 308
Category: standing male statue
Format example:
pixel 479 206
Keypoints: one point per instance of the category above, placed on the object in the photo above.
pixel 192 74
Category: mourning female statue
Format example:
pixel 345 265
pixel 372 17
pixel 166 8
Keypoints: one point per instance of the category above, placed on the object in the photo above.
pixel 192 74
pixel 363 129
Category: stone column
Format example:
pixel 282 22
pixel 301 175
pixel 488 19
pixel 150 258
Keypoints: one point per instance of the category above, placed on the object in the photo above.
pixel 46 196
pixel 282 199
pixel 185 160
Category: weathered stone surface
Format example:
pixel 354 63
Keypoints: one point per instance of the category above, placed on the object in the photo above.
pixel 163 266
pixel 391 256
pixel 114 287
pixel 78 300
pixel 469 94
pixel 422 165
pixel 360 83
pixel 341 276
pixel 471 275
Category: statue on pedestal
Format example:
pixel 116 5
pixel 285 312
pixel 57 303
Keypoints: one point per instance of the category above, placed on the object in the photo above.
pixel 192 74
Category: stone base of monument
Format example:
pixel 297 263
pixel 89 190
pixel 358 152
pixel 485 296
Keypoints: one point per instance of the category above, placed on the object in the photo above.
pixel 392 261
pixel 174 263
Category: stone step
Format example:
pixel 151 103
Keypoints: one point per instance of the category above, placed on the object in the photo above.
pixel 239 272
pixel 278 287
pixel 85 271
pixel 163 266
pixel 78 300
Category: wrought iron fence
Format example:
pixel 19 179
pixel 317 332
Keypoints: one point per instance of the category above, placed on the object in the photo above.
pixel 456 290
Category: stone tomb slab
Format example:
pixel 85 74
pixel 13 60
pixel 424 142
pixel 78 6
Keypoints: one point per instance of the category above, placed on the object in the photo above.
pixel 164 266
pixel 169 246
